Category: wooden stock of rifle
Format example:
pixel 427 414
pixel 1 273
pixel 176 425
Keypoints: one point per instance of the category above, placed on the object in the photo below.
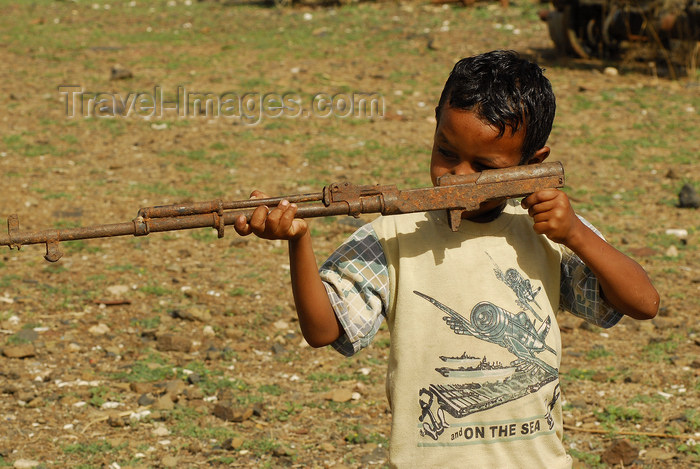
pixel 455 194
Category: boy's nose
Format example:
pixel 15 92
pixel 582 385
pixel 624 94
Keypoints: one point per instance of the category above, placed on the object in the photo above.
pixel 462 169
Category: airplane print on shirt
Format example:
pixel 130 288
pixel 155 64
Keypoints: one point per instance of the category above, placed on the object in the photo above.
pixel 481 385
pixel 520 286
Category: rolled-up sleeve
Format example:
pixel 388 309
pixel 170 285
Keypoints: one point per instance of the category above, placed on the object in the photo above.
pixel 356 278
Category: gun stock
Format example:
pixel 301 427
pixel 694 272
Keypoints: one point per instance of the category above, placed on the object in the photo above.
pixel 455 194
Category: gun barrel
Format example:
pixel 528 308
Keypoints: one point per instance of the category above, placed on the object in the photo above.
pixel 66 234
pixel 454 193
pixel 178 210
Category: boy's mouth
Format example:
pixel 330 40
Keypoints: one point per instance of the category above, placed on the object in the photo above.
pixel 489 215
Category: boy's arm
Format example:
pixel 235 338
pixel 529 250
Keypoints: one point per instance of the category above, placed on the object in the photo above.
pixel 624 283
pixel 317 319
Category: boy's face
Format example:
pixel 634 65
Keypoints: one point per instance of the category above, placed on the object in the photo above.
pixel 464 144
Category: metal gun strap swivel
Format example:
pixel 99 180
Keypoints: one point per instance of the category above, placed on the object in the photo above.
pixel 219 218
pixel 12 230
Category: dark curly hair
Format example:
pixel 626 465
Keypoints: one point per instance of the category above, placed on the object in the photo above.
pixel 505 91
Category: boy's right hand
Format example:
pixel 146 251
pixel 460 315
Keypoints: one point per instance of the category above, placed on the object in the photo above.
pixel 278 223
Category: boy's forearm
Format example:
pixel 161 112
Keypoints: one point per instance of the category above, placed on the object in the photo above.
pixel 623 282
pixel 318 321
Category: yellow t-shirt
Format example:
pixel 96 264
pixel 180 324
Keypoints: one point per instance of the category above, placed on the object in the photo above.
pixel 475 346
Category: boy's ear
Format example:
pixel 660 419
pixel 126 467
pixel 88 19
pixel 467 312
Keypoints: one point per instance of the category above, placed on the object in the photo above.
pixel 539 156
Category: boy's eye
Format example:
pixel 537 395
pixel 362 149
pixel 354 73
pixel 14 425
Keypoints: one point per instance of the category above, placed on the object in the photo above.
pixel 447 154
pixel 480 167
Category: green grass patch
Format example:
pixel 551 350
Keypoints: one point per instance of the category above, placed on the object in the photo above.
pixel 156 290
pixel 324 377
pixel 660 350
pixel 580 374
pixel 612 415
pixel 93 448
pixel 598 351
pixel 589 459
pixel 146 323
pixel 152 368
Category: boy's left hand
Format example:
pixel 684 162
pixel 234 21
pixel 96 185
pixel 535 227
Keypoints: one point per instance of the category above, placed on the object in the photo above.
pixel 623 282
pixel 552 214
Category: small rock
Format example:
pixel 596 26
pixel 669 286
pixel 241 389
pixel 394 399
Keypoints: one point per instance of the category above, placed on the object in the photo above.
pixel 117 290
pixel 657 454
pixel 145 400
pixel 36 403
pixel 19 351
pixel 278 349
pixel 117 421
pixel 25 395
pixel 194 378
pixel 100 329
pixel 73 348
pixel 672 174
pixel 232 444
pixel 8 388
pixel 578 403
pixel 327 447
pixel 120 74
pixel 688 198
pixel 225 411
pixel 173 343
pixel 164 402
pixel 672 251
pixel 434 44
pixel 112 351
pixel 611 71
pixel 338 395
pixel 194 393
pixel 282 451
pixel 160 430
pixel 193 314
pixel 620 452
pixel 175 388
pixel 68 400
pixel 377 456
pixel 141 388
pixel 169 461
pixel 281 324
pixel 25 464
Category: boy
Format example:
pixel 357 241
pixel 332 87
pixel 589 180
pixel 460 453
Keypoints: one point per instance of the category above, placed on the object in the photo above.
pixel 475 347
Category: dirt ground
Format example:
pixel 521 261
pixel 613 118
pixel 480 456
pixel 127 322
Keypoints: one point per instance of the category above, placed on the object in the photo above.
pixel 180 349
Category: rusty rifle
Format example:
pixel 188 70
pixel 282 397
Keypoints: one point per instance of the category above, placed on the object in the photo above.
pixel 455 194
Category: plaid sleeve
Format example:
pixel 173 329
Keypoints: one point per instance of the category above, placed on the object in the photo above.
pixel 356 278
pixel 580 292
